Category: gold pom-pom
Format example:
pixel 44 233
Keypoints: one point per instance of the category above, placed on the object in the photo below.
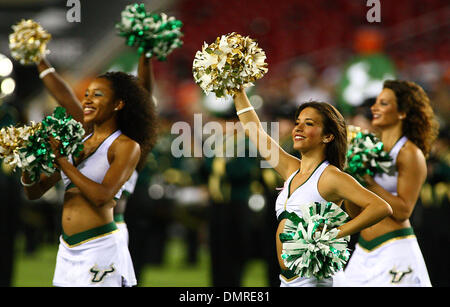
pixel 12 139
pixel 28 42
pixel 231 62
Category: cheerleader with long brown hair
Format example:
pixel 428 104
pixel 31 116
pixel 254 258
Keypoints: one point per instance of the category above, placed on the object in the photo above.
pixel 320 137
pixel 387 253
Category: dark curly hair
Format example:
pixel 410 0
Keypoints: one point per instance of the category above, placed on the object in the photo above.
pixel 137 119
pixel 419 125
pixel 333 123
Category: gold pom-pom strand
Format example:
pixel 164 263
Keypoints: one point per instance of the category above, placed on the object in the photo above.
pixel 12 139
pixel 352 131
pixel 231 62
pixel 28 42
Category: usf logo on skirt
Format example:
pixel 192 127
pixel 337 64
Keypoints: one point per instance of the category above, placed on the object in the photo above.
pixel 98 275
pixel 397 276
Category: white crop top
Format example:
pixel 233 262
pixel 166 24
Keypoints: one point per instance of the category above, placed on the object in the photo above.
pixel 96 164
pixel 129 186
pixel 303 195
pixel 388 182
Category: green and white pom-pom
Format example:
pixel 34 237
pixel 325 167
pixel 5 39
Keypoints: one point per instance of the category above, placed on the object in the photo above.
pixel 309 244
pixel 155 35
pixel 37 156
pixel 231 62
pixel 365 156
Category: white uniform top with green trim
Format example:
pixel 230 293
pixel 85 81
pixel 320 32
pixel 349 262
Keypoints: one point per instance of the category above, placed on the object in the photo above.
pixel 96 164
pixel 304 194
pixel 389 182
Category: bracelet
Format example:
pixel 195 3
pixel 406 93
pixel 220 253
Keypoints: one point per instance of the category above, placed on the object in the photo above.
pixel 46 72
pixel 244 110
pixel 27 184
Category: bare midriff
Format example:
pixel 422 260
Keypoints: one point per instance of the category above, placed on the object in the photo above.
pixel 79 214
pixel 386 225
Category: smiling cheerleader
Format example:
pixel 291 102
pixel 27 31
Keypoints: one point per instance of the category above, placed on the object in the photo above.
pixel 387 253
pixel 120 114
pixel 320 137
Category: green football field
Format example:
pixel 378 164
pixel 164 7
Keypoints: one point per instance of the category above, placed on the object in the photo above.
pixel 36 270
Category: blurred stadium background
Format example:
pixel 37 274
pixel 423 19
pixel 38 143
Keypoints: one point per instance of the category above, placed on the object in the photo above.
pixel 207 221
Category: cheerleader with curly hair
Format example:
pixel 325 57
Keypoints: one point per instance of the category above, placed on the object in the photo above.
pixel 64 95
pixel 120 119
pixel 387 253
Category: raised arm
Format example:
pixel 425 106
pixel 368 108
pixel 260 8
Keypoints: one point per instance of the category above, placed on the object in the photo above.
pixel 145 73
pixel 284 163
pixel 337 185
pixel 60 90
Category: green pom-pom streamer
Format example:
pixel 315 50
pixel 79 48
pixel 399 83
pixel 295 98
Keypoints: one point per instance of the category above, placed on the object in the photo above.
pixel 37 156
pixel 155 35
pixel 309 244
pixel 365 155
